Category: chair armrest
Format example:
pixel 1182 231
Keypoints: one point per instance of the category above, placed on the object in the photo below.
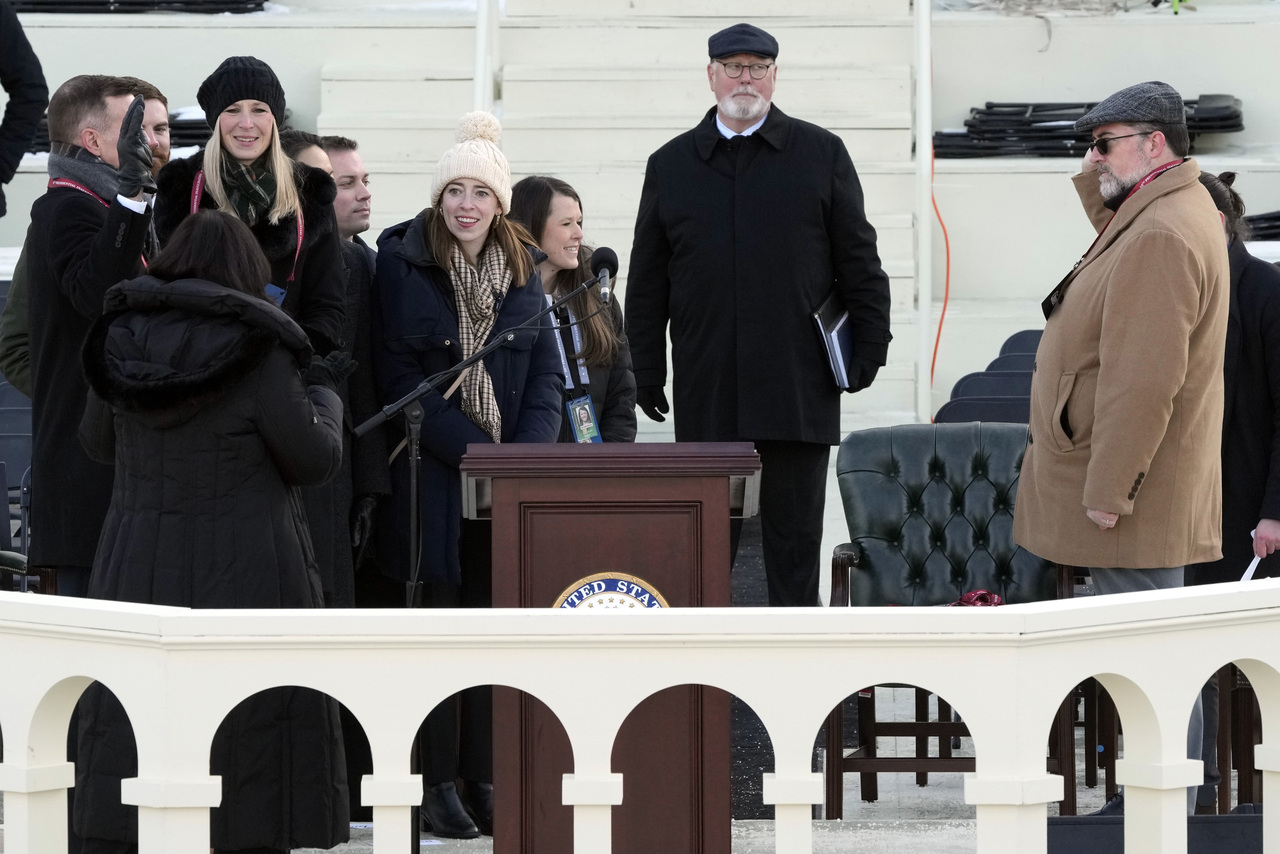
pixel 844 557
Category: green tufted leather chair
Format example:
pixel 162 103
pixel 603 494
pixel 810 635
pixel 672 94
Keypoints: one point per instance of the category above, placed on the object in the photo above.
pixel 930 514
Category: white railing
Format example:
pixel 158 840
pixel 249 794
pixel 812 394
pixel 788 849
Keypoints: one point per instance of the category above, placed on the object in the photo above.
pixel 1006 670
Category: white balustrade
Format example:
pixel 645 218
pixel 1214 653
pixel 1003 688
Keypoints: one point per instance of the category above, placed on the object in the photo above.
pixel 1006 670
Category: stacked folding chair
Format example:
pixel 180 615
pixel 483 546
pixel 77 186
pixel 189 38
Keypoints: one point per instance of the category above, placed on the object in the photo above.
pixel 1000 393
pixel 1048 129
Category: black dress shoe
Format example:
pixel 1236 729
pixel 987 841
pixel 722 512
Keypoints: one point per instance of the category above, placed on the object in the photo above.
pixel 443 813
pixel 1115 806
pixel 478 799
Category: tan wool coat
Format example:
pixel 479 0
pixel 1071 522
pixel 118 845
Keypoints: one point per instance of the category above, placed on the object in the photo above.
pixel 1126 397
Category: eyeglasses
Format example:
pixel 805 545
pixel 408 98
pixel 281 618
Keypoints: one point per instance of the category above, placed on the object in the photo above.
pixel 733 70
pixel 1103 143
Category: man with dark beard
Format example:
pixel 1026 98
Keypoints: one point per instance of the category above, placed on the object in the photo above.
pixel 747 224
pixel 1123 461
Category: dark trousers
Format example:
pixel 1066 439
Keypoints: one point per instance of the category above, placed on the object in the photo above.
pixel 456 740
pixel 793 495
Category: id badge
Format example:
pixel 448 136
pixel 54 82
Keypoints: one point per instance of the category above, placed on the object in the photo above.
pixel 582 417
pixel 275 294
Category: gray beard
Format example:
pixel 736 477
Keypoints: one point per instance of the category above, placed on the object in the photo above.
pixel 1114 192
pixel 743 110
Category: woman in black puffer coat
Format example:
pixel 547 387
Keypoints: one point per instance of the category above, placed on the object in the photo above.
pixel 199 397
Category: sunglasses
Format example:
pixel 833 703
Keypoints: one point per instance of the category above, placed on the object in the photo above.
pixel 1103 143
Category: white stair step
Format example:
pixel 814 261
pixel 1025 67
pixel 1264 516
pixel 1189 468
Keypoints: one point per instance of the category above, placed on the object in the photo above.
pixel 540 138
pixel 663 90
pixel 593 41
pixel 738 10
pixel 350 87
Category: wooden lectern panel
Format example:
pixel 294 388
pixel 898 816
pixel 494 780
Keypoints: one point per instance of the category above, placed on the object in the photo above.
pixel 659 512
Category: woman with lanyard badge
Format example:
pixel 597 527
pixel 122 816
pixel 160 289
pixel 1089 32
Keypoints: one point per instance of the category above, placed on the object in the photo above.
pixel 287 206
pixel 454 278
pixel 600 391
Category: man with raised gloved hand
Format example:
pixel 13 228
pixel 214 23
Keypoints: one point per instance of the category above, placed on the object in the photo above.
pixel 87 232
pixel 747 224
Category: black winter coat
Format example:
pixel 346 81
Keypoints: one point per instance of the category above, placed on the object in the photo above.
pixel 23 81
pixel 364 460
pixel 316 297
pixel 736 245
pixel 1251 418
pixel 77 247
pixel 613 390
pixel 198 399
pixel 416 336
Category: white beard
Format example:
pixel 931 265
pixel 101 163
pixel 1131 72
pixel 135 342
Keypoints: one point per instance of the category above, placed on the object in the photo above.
pixel 739 107
pixel 1115 186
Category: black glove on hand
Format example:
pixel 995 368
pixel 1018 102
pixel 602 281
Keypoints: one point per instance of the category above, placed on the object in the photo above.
pixel 330 370
pixel 134 153
pixel 362 521
pixel 861 373
pixel 653 400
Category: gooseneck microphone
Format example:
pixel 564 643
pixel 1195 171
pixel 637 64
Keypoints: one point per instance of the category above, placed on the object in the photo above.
pixel 604 265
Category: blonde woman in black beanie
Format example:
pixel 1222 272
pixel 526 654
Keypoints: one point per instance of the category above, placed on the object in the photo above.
pixel 449 281
pixel 288 206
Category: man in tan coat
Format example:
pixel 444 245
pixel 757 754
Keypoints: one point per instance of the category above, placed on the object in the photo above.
pixel 1121 473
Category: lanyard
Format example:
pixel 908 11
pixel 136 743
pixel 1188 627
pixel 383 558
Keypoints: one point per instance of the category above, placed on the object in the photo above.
pixel 68 184
pixel 197 193
pixel 583 375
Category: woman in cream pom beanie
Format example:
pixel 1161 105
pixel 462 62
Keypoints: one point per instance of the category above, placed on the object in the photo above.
pixel 449 281
pixel 476 155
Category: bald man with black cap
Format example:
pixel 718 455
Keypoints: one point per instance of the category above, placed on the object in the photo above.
pixel 747 223
pixel 1122 472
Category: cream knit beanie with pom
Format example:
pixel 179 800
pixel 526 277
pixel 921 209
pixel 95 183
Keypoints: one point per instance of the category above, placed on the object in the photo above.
pixel 476 156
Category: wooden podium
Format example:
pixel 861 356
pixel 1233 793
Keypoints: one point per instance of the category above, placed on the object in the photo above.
pixel 659 512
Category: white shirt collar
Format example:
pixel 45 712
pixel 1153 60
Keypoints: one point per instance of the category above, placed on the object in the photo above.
pixel 730 134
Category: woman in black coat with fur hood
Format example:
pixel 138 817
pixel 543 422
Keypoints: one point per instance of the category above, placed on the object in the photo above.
pixel 199 398
pixel 287 205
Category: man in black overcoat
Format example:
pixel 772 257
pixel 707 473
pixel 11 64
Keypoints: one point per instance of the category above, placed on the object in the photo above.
pixel 23 81
pixel 86 233
pixel 746 224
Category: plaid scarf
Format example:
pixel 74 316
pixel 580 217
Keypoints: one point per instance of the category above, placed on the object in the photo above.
pixel 478 293
pixel 251 189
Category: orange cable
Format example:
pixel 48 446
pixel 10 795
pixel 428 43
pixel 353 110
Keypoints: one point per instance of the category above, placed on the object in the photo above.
pixel 946 241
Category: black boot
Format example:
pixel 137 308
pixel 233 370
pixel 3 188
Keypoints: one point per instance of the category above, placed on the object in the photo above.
pixel 443 813
pixel 478 799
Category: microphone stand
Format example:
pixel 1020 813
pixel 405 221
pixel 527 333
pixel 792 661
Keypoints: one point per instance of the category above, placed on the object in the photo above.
pixel 413 416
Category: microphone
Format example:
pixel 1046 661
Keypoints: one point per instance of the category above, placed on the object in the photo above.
pixel 604 264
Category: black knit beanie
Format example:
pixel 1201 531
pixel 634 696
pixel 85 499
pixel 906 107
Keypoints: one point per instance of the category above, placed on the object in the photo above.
pixel 240 78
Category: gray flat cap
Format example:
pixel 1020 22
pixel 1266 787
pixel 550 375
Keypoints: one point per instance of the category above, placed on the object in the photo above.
pixel 742 38
pixel 1146 102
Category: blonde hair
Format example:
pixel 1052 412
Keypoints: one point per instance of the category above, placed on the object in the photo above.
pixel 287 202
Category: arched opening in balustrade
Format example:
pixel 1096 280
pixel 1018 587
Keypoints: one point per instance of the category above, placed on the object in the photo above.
pixel 1241 706
pixel 280 755
pixel 522 748
pixel 884 742
pixel 103 747
pixel 678 752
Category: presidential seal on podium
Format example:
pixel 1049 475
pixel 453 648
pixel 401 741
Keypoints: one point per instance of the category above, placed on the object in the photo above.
pixel 610 591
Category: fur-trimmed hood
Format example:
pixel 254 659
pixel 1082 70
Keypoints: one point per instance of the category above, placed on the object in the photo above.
pixel 164 350
pixel 279 241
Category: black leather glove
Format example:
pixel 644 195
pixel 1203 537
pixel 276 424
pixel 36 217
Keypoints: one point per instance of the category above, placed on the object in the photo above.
pixel 134 153
pixel 653 400
pixel 861 373
pixel 362 521
pixel 330 370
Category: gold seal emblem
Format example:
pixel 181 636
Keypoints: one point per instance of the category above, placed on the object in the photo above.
pixel 610 591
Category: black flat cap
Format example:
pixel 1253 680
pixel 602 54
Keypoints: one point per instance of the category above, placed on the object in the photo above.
pixel 742 38
pixel 1145 102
